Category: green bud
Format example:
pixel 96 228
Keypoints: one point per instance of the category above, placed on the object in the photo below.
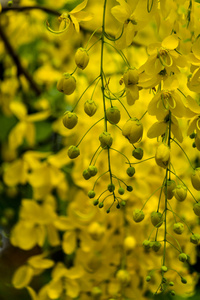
pixel 70 119
pixel 138 215
pixel 164 269
pixel 146 244
pixel 121 191
pixel 183 280
pixel 148 278
pixel 129 188
pixel 180 192
pixel 96 202
pixel 171 185
pixel 164 280
pixel 113 115
pixel 111 187
pixel 138 153
pixel 118 206
pixel 178 228
pixel 92 170
pixel 171 283
pixel 192 136
pixel 101 205
pixel 156 219
pixel 86 174
pixel 81 58
pixel 108 211
pixel 90 107
pixel 105 139
pixel 194 239
pixel 173 293
pixel 130 171
pixel 10 3
pixel 196 209
pixel 133 130
pixel 91 194
pixel 73 152
pixel 156 246
pixel 182 257
pixel 66 84
pixel 123 203
pixel 194 145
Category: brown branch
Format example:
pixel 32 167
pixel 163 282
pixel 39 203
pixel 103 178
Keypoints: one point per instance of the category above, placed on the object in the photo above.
pixel 23 8
pixel 20 68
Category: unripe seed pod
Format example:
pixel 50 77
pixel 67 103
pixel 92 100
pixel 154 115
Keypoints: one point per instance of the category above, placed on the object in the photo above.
pixel 171 185
pixel 148 278
pixel 156 219
pixel 123 276
pixel 138 153
pixel 162 156
pixel 86 174
pixel 105 139
pixel 195 179
pixel 91 194
pixel 129 188
pixel 178 228
pixel 138 215
pixel 196 209
pixel 129 244
pixel 70 119
pixel 92 170
pixel 183 280
pixel 113 114
pixel 182 257
pixel 130 77
pixel 194 239
pixel 130 171
pixel 111 187
pixel 164 269
pixel 180 192
pixel 121 191
pixel 73 152
pixel 81 58
pixel 146 244
pixel 90 107
pixel 67 84
pixel 133 130
pixel 156 246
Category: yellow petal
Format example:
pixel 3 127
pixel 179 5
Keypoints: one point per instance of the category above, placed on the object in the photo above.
pixel 38 116
pixel 63 223
pixel 18 109
pixel 39 262
pixel 72 288
pixel 32 293
pixel 121 12
pixel 30 134
pixel 132 94
pixel 16 173
pixel 55 289
pixel 22 277
pixel 76 24
pixel 17 134
pixel 170 42
pixel 79 7
pixel 53 236
pixel 157 129
pixel 69 242
pixel 196 48
pixel 74 272
pixel 83 16
pixel 23 236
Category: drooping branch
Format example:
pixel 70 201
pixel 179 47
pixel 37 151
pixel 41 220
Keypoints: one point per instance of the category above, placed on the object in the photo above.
pixel 24 8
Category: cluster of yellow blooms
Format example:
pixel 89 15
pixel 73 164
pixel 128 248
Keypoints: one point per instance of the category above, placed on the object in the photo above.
pixel 124 149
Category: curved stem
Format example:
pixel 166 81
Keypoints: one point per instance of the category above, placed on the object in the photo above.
pixel 88 131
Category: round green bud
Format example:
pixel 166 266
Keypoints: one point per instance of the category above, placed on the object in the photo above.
pixel 118 206
pixel 130 171
pixel 192 136
pixel 121 191
pixel 96 293
pixel 111 187
pixel 67 84
pixel 164 280
pixel 195 179
pixel 156 246
pixel 138 153
pixel 81 58
pixel 105 139
pixel 113 115
pixel 178 228
pixel 95 202
pixel 138 215
pixel 70 119
pixel 90 107
pixel 146 244
pixel 91 194
pixel 86 174
pixel 92 170
pixel 123 276
pixel 148 278
pixel 196 209
pixel 129 188
pixel 183 280
pixel 171 283
pixel 10 3
pixel 180 192
pixel 133 130
pixel 156 219
pixel 173 293
pixel 164 269
pixel 171 185
pixel 194 239
pixel 101 205
pixel 182 257
pixel 108 211
pixel 194 145
pixel 123 203
pixel 73 152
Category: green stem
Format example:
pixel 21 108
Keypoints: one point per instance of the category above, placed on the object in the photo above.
pixel 91 37
pixel 139 162
pixel 150 197
pixel 183 152
pixel 88 131
pixel 122 154
pixel 120 53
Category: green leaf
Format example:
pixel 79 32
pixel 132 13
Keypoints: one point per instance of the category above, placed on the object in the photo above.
pixel 6 124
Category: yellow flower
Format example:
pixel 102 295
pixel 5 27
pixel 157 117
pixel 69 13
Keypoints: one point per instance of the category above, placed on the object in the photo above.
pixel 73 17
pixel 193 110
